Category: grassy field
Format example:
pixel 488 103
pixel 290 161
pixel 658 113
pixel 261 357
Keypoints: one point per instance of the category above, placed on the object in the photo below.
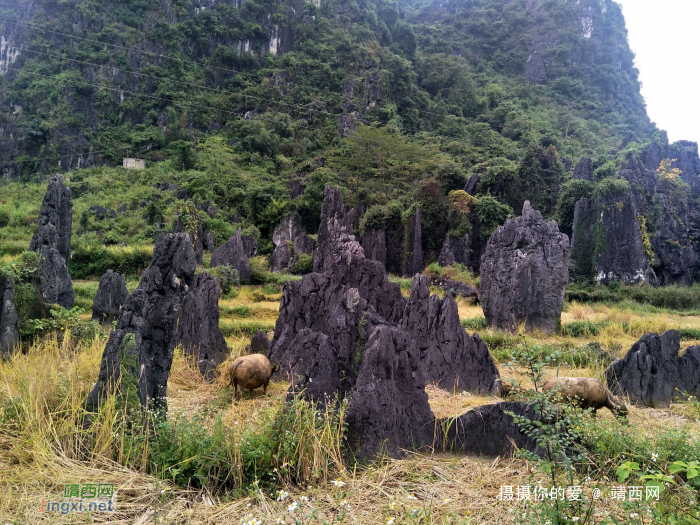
pixel 45 443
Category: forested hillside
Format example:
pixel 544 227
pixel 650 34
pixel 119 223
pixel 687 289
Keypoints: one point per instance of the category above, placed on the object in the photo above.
pixel 254 107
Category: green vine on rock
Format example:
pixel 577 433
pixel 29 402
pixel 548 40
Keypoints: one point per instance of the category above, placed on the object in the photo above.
pixel 645 238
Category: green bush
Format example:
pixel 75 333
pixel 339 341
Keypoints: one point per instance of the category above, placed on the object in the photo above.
pixel 226 276
pixel 304 264
pixel 90 261
pixel 475 323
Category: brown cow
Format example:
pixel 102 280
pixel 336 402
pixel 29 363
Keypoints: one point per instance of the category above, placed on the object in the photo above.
pixel 589 393
pixel 250 372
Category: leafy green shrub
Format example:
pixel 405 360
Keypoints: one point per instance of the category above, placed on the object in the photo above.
pixel 475 323
pixel 583 328
pixel 226 276
pixel 491 215
pixel 689 334
pixel 92 260
pixel 610 186
pixel 4 217
pixel 61 320
pixel 304 264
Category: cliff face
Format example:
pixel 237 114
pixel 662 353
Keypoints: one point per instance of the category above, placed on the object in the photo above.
pixel 649 232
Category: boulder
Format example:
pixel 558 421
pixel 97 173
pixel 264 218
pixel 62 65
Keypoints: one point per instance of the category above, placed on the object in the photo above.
pixel 250 246
pixel 446 354
pixel 260 344
pixel 332 208
pixel 524 273
pixel 455 251
pixel 198 330
pixel 232 253
pixel 488 431
pixel 374 246
pixel 9 331
pixel 56 285
pixel 209 242
pixel 55 219
pixel 144 340
pixel 652 374
pixel 456 288
pixel 290 242
pixel 111 295
pixel 413 262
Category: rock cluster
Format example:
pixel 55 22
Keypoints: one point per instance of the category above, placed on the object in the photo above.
pixel 348 331
pixel 111 295
pixel 524 273
pixel 198 330
pixel 144 339
pixel 250 246
pixel 290 242
pixel 52 240
pixel 455 251
pixel 232 253
pixel 9 333
pixel 652 374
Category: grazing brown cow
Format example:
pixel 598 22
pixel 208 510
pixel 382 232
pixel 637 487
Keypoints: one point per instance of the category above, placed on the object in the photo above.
pixel 589 393
pixel 250 372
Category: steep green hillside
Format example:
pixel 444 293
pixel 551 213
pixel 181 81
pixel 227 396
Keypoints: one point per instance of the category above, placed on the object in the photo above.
pixel 254 107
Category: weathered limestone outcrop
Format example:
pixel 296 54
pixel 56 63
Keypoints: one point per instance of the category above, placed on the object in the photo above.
pixel 456 288
pixel 9 332
pixel 487 430
pixel 446 353
pixel 374 246
pixel 333 208
pixel 455 251
pixel 413 262
pixel 232 253
pixel 607 241
pixel 111 295
pixel 259 343
pixel 290 242
pixel 52 240
pixel 198 330
pixel 250 246
pixel 55 219
pixel 144 339
pixel 652 374
pixel 584 170
pixel 348 332
pixel 524 273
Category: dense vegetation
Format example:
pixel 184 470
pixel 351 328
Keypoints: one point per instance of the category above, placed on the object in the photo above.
pixel 399 102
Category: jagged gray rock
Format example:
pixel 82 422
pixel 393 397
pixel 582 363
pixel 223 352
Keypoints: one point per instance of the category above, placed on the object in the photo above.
pixel 374 246
pixel 198 330
pixel 487 430
pixel 56 285
pixel 413 263
pixel 111 295
pixel 250 246
pixel 447 355
pixel 607 241
pixel 52 240
pixel 9 330
pixel 584 170
pixel 144 339
pixel 455 251
pixel 652 374
pixel 232 253
pixel 333 208
pixel 524 273
pixel 55 219
pixel 290 242
pixel 260 344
